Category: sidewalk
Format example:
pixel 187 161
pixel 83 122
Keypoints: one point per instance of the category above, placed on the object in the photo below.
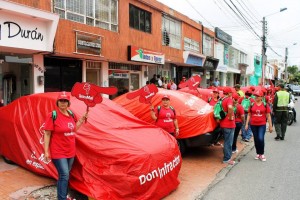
pixel 16 182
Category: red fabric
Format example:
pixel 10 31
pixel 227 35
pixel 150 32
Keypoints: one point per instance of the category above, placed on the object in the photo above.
pixel 270 99
pixel 239 112
pixel 62 143
pixel 165 119
pixel 226 123
pixel 194 116
pixel 145 94
pixel 118 156
pixel 258 114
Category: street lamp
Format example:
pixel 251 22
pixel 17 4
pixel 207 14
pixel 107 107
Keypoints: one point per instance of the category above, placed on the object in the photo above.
pixel 286 64
pixel 264 44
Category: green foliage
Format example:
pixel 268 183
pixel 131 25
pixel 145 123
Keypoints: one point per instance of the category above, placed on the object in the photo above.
pixel 294 73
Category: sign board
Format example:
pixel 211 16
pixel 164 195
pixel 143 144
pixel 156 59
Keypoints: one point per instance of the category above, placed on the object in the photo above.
pixel 88 43
pixel 144 55
pixel 221 35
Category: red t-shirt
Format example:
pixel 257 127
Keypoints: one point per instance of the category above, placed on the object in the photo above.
pixel 62 142
pixel 213 102
pixel 238 113
pixel 270 99
pixel 259 114
pixel 226 123
pixel 165 119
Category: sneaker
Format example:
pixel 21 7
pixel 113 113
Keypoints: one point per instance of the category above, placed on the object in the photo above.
pixel 257 157
pixel 263 158
pixel 229 162
pixel 235 151
pixel 277 138
pixel 281 138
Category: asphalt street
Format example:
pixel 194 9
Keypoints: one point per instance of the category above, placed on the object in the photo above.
pixel 276 179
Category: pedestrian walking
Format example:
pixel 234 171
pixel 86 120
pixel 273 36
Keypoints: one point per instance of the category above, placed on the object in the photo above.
pixel 165 116
pixel 280 107
pixel 59 141
pixel 239 120
pixel 227 125
pixel 257 115
pixel 215 97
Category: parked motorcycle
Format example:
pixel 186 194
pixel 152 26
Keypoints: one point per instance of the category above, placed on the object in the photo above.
pixel 290 116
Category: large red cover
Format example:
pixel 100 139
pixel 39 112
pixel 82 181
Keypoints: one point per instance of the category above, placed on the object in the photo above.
pixel 118 156
pixel 202 93
pixel 195 116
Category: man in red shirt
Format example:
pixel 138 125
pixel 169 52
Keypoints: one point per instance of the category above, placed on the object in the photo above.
pixel 228 125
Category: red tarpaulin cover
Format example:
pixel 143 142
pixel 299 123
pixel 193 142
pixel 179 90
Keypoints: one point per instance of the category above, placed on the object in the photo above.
pixel 195 116
pixel 118 156
pixel 201 93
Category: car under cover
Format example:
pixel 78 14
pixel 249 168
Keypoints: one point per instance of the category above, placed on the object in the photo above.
pixel 195 116
pixel 118 156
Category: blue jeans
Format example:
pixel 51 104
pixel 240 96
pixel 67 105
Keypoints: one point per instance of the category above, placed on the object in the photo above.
pixel 238 126
pixel 259 138
pixel 228 140
pixel 63 167
pixel 246 134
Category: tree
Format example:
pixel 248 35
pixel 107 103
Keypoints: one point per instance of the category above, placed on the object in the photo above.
pixel 294 73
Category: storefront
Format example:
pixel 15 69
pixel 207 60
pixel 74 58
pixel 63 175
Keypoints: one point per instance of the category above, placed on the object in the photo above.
pixel 26 34
pixel 194 62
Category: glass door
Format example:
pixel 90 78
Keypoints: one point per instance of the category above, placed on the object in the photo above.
pixel 134 81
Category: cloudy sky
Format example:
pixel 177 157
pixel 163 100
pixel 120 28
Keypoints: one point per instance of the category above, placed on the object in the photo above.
pixel 283 28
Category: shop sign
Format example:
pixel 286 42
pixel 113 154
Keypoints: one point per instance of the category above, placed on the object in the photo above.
pixel 118 74
pixel 144 55
pixel 194 60
pixel 32 29
pixel 88 43
pixel 221 35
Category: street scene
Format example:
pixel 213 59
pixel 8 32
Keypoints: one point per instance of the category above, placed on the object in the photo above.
pixel 149 100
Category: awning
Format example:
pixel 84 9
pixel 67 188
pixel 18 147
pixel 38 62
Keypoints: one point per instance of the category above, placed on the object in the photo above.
pixel 222 68
pixel 193 58
pixel 210 63
pixel 233 70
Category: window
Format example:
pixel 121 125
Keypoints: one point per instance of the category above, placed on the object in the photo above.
pixel 191 45
pixel 171 32
pixel 208 45
pixel 99 13
pixel 139 19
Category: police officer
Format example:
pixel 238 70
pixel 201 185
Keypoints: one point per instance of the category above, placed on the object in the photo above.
pixel 280 109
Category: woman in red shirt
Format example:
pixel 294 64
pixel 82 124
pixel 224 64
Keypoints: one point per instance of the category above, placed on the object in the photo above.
pixel 257 114
pixel 239 120
pixel 165 116
pixel 215 97
pixel 59 141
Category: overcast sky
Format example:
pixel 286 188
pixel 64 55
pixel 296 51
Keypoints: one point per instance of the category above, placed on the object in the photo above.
pixel 283 27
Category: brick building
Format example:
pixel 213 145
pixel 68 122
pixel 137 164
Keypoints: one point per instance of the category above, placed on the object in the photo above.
pixel 49 45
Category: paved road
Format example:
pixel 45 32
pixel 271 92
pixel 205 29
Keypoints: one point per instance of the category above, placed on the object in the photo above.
pixel 276 179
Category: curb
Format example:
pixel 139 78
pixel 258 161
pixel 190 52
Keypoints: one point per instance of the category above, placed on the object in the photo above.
pixel 222 174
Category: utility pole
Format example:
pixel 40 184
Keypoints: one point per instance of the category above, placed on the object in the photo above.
pixel 263 50
pixel 285 62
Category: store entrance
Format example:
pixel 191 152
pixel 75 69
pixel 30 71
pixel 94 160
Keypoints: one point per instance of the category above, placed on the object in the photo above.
pixel 15 78
pixel 62 74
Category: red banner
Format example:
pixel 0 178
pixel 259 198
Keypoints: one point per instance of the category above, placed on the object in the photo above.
pixel 192 83
pixel 146 93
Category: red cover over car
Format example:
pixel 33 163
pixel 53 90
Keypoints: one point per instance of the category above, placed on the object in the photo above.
pixel 202 93
pixel 195 116
pixel 118 156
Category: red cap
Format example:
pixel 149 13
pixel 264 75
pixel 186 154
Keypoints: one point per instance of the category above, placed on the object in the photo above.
pixel 227 90
pixel 166 97
pixel 235 96
pixel 63 95
pixel 258 93
pixel 216 90
pixel 252 88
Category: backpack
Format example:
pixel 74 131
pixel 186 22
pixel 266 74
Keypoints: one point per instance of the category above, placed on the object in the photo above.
pixel 246 104
pixel 219 113
pixel 54 114
pixel 158 109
